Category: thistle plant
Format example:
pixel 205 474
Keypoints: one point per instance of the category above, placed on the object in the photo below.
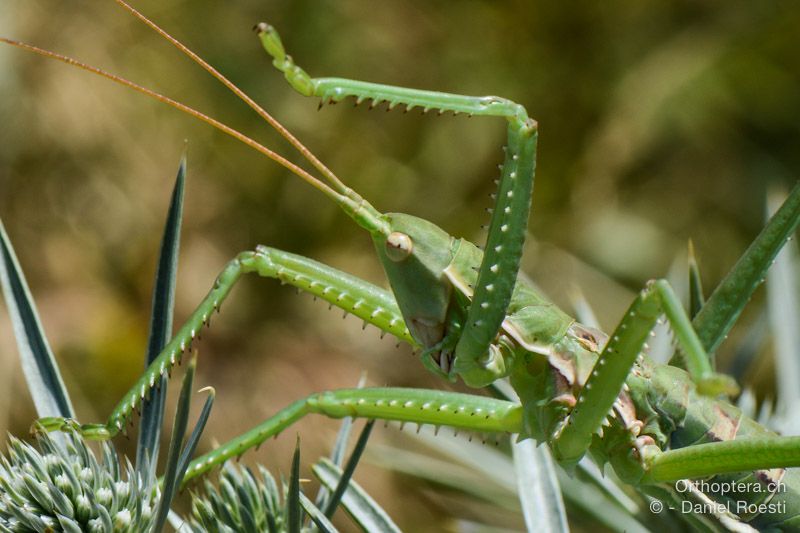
pixel 244 501
pixel 249 502
pixel 61 485
pixel 58 484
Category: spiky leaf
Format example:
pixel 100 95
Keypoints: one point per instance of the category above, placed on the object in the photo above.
pixel 293 503
pixel 61 485
pixel 358 504
pixel 539 492
pixel 38 364
pixel 176 460
pixel 161 320
pixel 317 516
pixel 349 469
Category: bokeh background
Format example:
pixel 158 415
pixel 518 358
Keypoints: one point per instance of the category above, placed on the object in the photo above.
pixel 660 122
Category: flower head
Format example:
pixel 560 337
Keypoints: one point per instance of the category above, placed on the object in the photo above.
pixel 60 485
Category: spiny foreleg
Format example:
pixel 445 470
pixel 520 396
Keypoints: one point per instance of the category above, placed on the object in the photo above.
pixel 611 370
pixel 338 89
pixel 370 303
pixel 475 359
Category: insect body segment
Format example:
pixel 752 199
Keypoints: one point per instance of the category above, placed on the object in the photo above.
pixel 419 272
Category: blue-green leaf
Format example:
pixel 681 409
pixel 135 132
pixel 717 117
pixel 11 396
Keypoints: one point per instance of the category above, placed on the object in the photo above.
pixel 317 516
pixel 349 469
pixel 38 364
pixel 194 438
pixel 539 491
pixel 358 504
pixel 293 502
pixel 161 322
pixel 176 459
pixel 337 457
pixel 784 319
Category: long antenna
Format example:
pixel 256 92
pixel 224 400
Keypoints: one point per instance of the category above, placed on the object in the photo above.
pixel 295 169
pixel 286 134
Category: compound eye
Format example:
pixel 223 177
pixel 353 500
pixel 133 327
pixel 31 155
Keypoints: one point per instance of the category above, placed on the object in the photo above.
pixel 398 246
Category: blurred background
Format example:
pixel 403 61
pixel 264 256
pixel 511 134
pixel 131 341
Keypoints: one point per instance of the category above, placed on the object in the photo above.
pixel 660 122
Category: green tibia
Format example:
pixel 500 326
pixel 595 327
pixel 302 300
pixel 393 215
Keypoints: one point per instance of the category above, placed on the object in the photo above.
pixel 612 368
pixel 364 300
pixel 532 323
pixel 500 265
pixel 420 406
pixel 337 89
